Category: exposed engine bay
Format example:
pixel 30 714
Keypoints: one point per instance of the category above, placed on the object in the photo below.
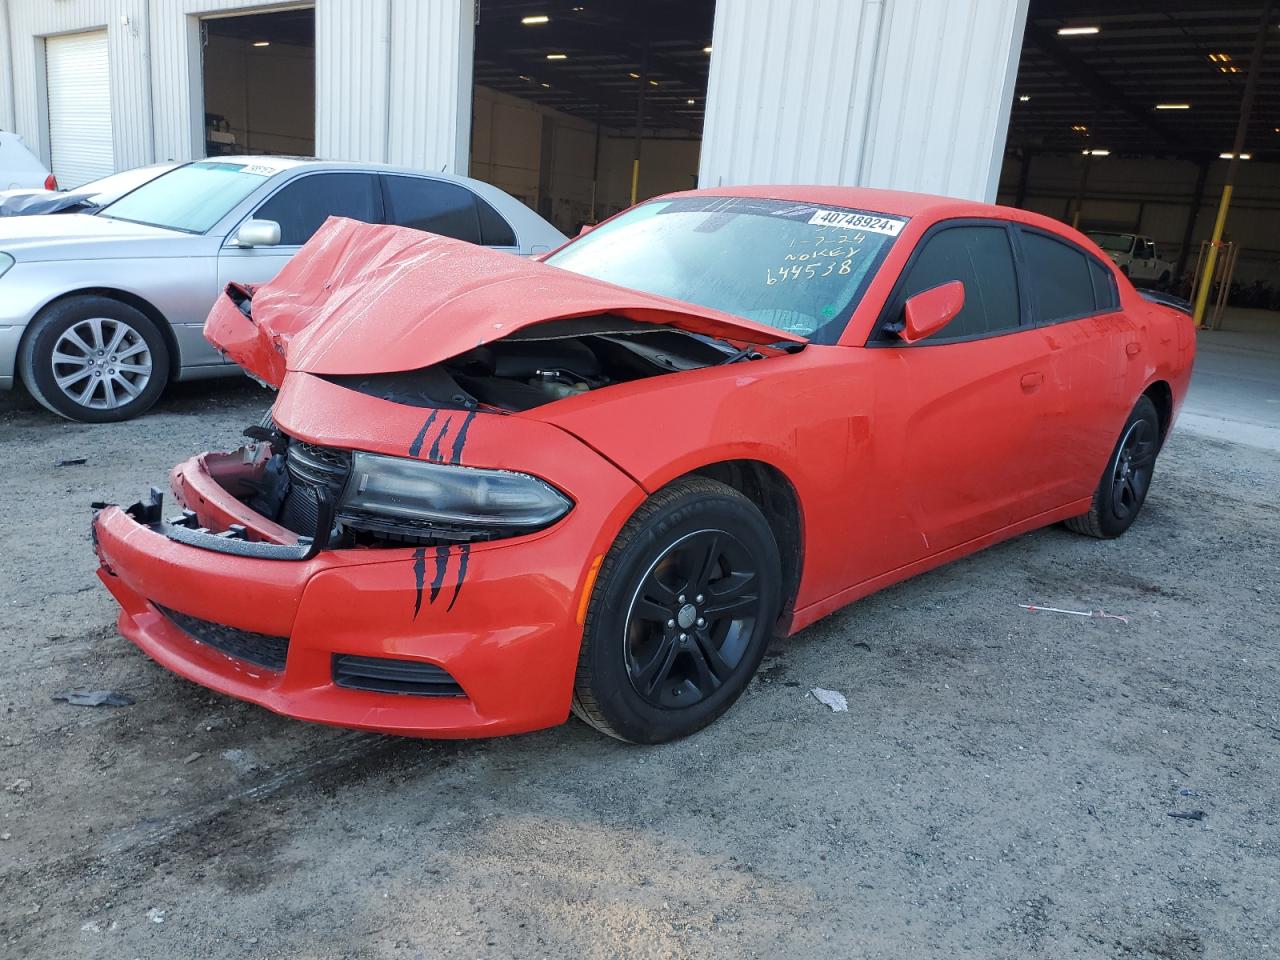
pixel 548 362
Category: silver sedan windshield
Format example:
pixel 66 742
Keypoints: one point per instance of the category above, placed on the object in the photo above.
pixel 192 198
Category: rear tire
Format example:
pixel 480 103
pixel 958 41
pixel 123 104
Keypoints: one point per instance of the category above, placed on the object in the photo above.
pixel 683 608
pixel 94 359
pixel 1122 491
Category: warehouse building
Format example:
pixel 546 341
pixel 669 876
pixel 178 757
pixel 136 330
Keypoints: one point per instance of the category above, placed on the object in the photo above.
pixel 579 106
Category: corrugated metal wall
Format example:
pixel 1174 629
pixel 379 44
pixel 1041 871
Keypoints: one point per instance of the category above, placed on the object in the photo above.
pixel 6 70
pixel 907 94
pixel 392 76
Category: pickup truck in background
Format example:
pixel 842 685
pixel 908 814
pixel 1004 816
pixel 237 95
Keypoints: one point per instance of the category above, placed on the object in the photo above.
pixel 1136 256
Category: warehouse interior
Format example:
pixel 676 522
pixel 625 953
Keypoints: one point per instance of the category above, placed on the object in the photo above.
pixel 259 73
pixel 569 95
pixel 1124 119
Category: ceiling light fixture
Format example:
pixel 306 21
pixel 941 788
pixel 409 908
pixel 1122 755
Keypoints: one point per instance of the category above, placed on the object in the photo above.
pixel 707 48
pixel 262 43
pixel 634 76
pixel 653 83
pixel 1079 128
pixel 547 86
pixel 691 102
pixel 1077 31
pixel 1024 98
pixel 1096 153
pixel 557 56
pixel 1228 156
pixel 1173 106
pixel 535 20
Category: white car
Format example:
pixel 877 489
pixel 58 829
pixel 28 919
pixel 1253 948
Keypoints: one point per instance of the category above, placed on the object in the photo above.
pixel 98 312
pixel 19 168
pixel 1136 256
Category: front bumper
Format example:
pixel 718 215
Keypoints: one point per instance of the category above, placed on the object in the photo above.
pixel 501 617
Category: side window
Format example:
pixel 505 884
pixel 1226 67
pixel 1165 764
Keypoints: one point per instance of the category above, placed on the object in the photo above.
pixel 432 205
pixel 1105 296
pixel 1061 282
pixel 981 258
pixel 302 206
pixel 494 230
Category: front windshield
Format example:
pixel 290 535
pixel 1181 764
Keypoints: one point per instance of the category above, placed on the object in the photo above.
pixel 797 267
pixel 1113 242
pixel 191 198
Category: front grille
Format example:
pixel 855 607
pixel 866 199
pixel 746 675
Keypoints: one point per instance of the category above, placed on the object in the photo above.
pixel 382 675
pixel 260 649
pixel 310 468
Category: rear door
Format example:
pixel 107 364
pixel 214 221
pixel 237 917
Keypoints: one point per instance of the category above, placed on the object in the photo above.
pixel 1092 344
pixel 446 208
pixel 958 413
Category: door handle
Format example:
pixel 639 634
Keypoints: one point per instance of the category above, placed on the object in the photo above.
pixel 1031 381
pixel 1133 348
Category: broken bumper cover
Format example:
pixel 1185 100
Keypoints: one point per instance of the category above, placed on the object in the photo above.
pixel 486 632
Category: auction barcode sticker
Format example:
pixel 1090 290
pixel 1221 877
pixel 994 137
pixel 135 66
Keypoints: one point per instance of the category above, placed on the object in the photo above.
pixel 857 221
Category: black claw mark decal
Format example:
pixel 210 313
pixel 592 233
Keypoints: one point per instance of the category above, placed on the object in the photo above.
pixel 442 562
pixel 434 456
pixel 419 575
pixel 464 552
pixel 460 441
pixel 416 447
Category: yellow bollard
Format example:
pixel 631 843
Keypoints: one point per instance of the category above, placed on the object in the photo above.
pixel 1211 257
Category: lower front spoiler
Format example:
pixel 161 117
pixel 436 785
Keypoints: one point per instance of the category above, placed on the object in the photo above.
pixel 507 642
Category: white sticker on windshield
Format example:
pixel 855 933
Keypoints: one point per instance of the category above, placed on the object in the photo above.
pixel 260 169
pixel 857 221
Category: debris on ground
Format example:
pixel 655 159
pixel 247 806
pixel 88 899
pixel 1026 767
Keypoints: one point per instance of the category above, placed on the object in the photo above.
pixel 832 698
pixel 21 785
pixel 73 462
pixel 155 915
pixel 1098 614
pixel 192 758
pixel 1187 814
pixel 84 697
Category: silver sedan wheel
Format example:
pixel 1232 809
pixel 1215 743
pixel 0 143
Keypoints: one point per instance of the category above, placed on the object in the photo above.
pixel 101 363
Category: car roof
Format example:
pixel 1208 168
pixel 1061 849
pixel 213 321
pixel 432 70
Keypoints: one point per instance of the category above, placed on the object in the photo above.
pixel 898 203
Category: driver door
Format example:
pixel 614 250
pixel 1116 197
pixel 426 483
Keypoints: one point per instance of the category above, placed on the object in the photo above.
pixel 301 206
pixel 958 413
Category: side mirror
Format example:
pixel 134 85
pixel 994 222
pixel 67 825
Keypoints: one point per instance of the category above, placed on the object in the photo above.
pixel 258 233
pixel 928 312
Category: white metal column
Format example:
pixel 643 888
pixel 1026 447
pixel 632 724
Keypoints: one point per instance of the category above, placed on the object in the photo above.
pixel 904 94
pixel 81 146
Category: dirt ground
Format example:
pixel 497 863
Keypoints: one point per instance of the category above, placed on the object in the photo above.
pixel 1002 785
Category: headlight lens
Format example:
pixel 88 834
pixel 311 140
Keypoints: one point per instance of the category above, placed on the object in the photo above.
pixel 6 261
pixel 416 498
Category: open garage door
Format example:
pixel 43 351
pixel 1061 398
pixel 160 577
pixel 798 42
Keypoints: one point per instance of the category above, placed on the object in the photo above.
pixel 1124 122
pixel 579 108
pixel 81 147
pixel 260 83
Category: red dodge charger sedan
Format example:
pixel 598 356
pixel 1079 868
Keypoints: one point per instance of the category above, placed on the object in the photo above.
pixel 493 491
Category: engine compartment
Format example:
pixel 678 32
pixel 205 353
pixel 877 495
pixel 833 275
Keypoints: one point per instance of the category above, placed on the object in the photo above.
pixel 548 362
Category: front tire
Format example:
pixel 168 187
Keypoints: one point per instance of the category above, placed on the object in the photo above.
pixel 681 613
pixel 95 360
pixel 1122 491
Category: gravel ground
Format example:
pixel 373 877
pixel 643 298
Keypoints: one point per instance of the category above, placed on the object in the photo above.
pixel 1002 785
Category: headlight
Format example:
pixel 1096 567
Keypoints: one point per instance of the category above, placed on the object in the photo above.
pixel 6 261
pixel 413 499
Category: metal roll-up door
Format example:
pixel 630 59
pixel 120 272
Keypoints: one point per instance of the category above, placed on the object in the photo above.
pixel 80 143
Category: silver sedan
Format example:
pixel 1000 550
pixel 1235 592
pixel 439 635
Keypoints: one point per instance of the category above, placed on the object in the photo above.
pixel 99 312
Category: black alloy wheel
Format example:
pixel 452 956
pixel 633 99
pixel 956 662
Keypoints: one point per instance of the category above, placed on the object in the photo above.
pixel 683 608
pixel 691 619
pixel 1124 485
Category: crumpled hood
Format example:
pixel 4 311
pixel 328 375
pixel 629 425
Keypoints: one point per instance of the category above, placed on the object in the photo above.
pixel 365 299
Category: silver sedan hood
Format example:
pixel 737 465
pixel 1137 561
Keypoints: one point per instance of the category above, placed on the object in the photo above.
pixel 78 236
